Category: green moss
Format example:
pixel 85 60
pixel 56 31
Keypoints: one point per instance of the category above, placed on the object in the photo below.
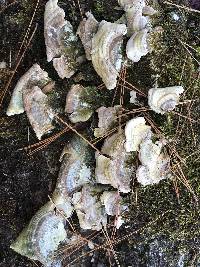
pixel 173 65
pixel 103 10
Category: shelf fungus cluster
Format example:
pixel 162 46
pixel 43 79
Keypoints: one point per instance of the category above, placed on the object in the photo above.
pixel 139 29
pixel 77 190
pixel 112 165
pixel 155 162
pixel 81 102
pixel 62 44
pixel 30 95
pixel 90 183
pixel 107 119
pixel 102 41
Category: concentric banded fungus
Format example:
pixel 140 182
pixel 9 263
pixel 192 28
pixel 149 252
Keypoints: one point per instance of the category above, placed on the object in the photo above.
pixel 106 51
pixel 137 15
pixel 112 202
pixel 162 100
pixel 155 164
pixel 62 44
pixel 54 21
pixel 76 168
pixel 127 4
pixel 34 76
pixel 38 111
pixel 79 103
pixel 135 20
pixel 113 206
pixel 62 202
pixel 86 30
pixel 137 46
pixel 107 119
pixel 89 209
pixel 42 237
pixel 114 169
pixel 136 131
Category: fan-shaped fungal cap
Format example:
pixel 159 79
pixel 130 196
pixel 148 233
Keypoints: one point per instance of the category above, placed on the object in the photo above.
pixel 155 163
pixel 39 112
pixel 136 131
pixel 86 30
pixel 34 76
pixel 106 51
pixel 42 237
pixel 90 211
pixel 79 103
pixel 54 20
pixel 76 167
pixel 107 119
pixel 62 45
pixel 149 152
pixel 112 202
pixel 137 46
pixel 162 100
pixel 135 20
pixel 114 170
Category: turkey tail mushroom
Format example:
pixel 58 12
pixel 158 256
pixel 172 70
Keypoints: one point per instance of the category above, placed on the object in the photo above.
pixel 62 45
pixel 106 51
pixel 35 76
pixel 162 100
pixel 43 235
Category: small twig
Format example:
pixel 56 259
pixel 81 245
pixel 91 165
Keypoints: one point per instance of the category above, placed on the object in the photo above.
pixel 183 7
pixel 80 135
pixel 28 29
pixel 79 6
pixel 184 45
pixel 186 117
pixel 16 67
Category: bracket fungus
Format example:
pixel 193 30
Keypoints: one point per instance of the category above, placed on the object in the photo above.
pixel 62 45
pixel 126 4
pixel 89 209
pixel 106 51
pixel 76 168
pixel 86 30
pixel 137 46
pixel 113 168
pixel 41 238
pixel 112 202
pixel 79 103
pixel 35 76
pixel 138 26
pixel 155 163
pixel 136 131
pixel 38 110
pixel 135 19
pixel 162 100
pixel 107 119
pixel 113 206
